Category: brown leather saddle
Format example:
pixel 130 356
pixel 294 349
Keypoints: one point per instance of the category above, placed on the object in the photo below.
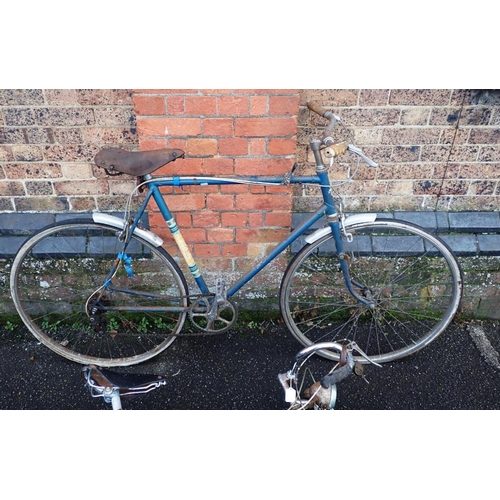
pixel 116 161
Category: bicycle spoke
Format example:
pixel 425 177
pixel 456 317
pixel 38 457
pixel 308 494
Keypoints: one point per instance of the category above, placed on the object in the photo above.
pixel 412 293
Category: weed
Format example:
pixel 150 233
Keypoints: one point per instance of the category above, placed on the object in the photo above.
pixel 143 325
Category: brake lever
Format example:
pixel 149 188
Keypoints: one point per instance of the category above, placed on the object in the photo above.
pixel 359 152
pixel 355 346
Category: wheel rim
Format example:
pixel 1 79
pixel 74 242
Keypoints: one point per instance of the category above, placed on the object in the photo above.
pixel 412 278
pixel 55 277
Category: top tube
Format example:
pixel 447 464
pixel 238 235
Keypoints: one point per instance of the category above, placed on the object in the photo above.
pixel 187 180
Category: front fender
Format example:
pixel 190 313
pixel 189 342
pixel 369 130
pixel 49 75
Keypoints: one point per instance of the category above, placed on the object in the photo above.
pixel 349 221
pixel 113 221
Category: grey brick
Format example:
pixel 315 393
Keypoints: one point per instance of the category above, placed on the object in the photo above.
pixel 60 246
pixel 397 245
pixel 24 223
pixel 72 216
pixel 474 222
pixel 427 220
pixel 461 244
pixel 489 244
pixel 9 245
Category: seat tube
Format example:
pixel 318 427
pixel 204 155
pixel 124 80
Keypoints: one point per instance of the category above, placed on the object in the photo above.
pixel 179 239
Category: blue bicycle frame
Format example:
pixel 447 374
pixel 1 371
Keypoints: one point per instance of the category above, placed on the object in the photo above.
pixel 327 209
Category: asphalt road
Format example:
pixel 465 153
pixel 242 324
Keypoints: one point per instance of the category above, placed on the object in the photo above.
pixel 238 371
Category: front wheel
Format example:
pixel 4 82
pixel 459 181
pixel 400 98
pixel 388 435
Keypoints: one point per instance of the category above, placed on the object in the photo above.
pixel 410 277
pixel 87 305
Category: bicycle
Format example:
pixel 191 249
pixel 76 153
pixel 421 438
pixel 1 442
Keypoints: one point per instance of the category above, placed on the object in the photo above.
pixel 104 291
pixel 311 392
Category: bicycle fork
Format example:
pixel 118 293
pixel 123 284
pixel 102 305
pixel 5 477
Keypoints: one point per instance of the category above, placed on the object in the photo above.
pixel 337 229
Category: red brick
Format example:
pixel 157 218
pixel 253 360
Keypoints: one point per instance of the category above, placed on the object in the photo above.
pixel 202 147
pixel 184 166
pixel 207 250
pixel 234 219
pixel 268 91
pixel 257 188
pixel 220 202
pixel 282 146
pixel 278 219
pixel 258 105
pixel 206 219
pixel 183 202
pixel 233 105
pixel 149 144
pixel 176 105
pixel 263 202
pixel 258 147
pixel 218 166
pixel 201 105
pixel 234 188
pixel 155 218
pixel 183 219
pixel 215 91
pixel 262 166
pixel 149 105
pixel 219 127
pixel 168 240
pixel 235 250
pixel 237 146
pixel 167 91
pixel 256 219
pixel 203 189
pixel 261 235
pixel 283 105
pixel 195 235
pixel 221 235
pixel 265 127
pixel 178 143
pixel 168 126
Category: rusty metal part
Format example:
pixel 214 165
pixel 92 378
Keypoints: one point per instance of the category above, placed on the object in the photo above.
pixel 318 395
pixel 136 163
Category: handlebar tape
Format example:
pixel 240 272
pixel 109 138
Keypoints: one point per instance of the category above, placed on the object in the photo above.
pixel 339 374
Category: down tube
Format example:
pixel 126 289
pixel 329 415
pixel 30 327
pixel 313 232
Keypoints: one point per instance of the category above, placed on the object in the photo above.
pixel 284 244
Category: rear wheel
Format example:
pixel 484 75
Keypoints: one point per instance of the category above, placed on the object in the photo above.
pixel 63 290
pixel 410 276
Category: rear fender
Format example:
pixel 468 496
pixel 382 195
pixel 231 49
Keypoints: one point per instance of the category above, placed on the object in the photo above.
pixel 113 221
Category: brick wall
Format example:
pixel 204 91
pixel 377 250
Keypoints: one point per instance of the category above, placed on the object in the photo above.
pixel 48 139
pixel 224 132
pixel 437 149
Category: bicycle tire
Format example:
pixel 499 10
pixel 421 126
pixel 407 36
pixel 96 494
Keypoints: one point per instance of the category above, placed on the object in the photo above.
pixel 56 282
pixel 412 277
